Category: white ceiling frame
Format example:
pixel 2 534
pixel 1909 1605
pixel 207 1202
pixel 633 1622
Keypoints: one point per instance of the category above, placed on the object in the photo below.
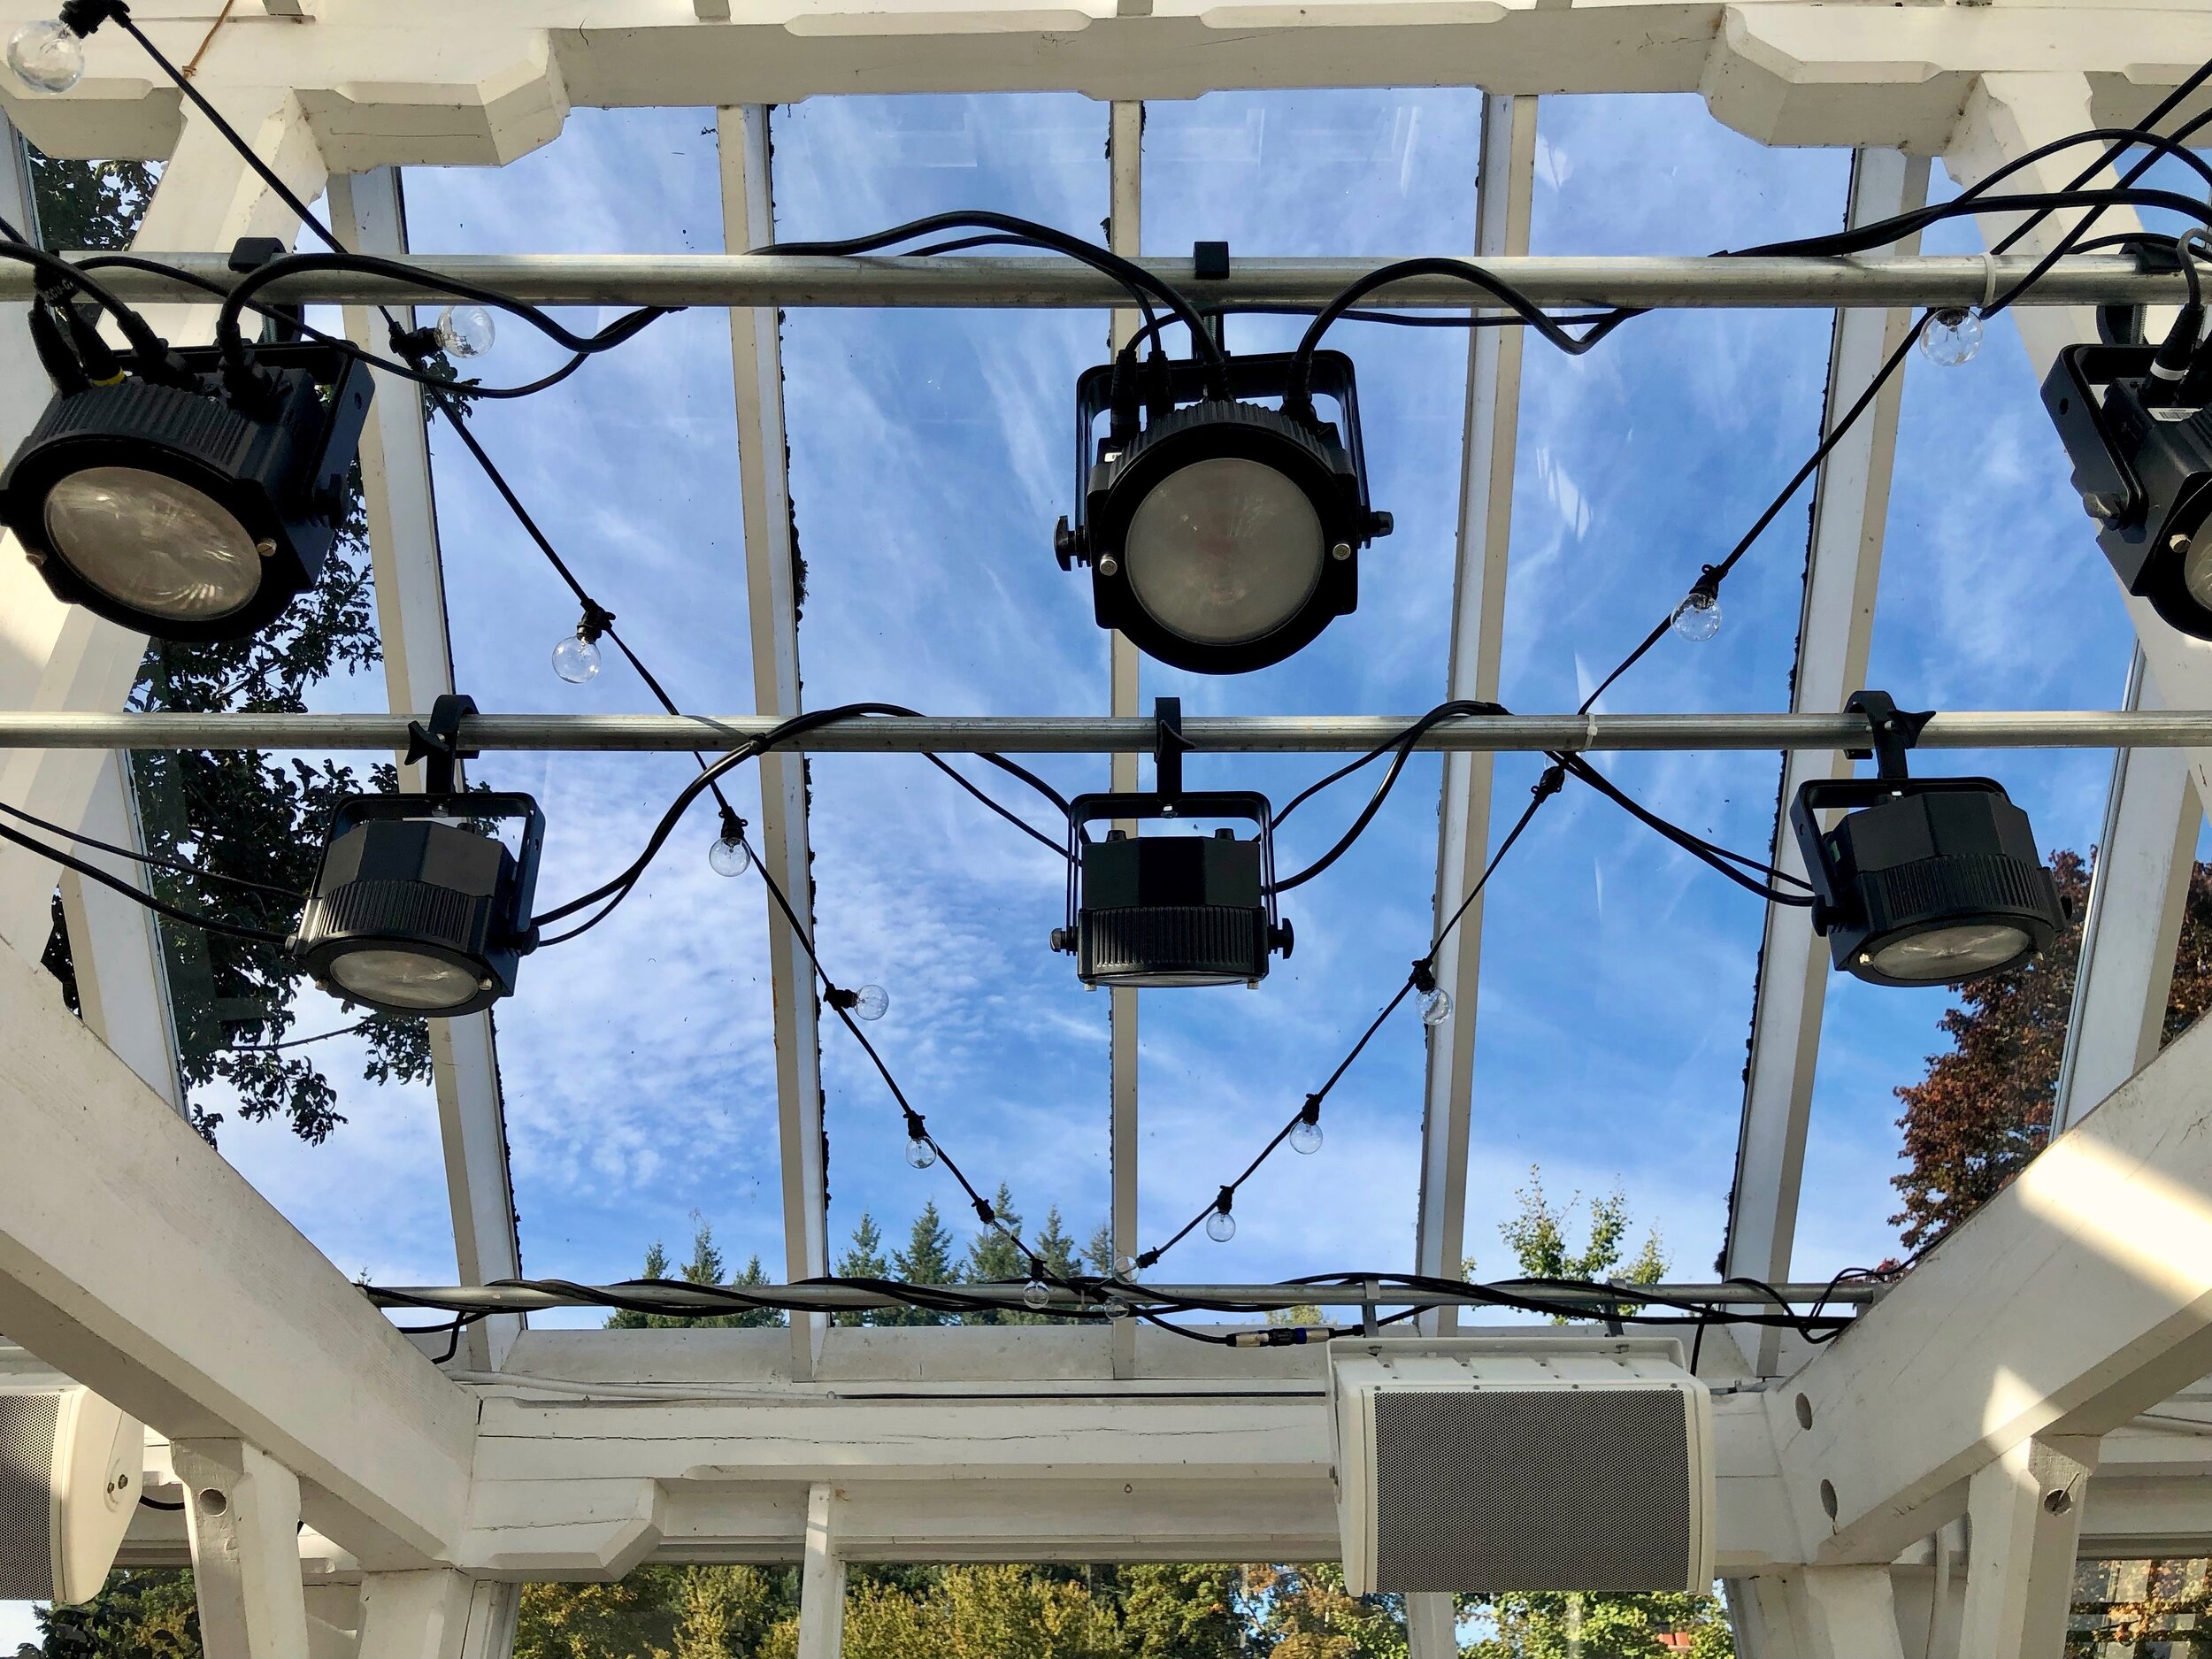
pixel 1505 188
pixel 1835 629
pixel 368 213
pixel 772 577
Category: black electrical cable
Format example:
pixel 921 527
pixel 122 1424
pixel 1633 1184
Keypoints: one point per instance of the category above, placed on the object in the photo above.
pixel 298 1042
pixel 1712 853
pixel 156 1503
pixel 1141 282
pixel 177 866
pixel 1308 1109
pixel 160 907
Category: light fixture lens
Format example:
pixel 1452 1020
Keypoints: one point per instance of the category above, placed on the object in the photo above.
pixel 465 331
pixel 729 857
pixel 404 979
pixel 2196 567
pixel 575 659
pixel 1221 1226
pixel 152 543
pixel 1224 550
pixel 1952 337
pixel 1305 1137
pixel 1697 619
pixel 872 1002
pixel 47 56
pixel 919 1153
pixel 1945 954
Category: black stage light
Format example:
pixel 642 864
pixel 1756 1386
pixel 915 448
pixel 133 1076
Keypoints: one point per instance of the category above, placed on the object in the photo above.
pixel 1222 536
pixel 417 908
pixel 1923 881
pixel 2135 427
pixel 1171 910
pixel 188 510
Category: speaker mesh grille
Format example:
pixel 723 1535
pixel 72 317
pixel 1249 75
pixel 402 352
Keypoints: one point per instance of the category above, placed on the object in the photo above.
pixel 1531 1489
pixel 26 1461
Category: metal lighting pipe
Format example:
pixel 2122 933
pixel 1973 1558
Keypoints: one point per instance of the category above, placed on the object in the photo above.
pixel 1380 1292
pixel 768 279
pixel 1085 734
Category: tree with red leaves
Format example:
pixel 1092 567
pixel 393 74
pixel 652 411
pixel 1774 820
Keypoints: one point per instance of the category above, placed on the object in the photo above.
pixel 1984 1109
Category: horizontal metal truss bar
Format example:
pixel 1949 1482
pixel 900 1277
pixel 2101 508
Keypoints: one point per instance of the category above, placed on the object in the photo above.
pixel 786 280
pixel 1086 734
pixel 1380 1293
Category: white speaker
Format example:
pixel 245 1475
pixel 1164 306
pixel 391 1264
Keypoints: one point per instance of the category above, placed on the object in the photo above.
pixel 70 1467
pixel 1536 1463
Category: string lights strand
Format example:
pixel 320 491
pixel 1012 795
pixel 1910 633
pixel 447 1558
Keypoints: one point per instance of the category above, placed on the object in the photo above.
pixel 175 866
pixel 1421 978
pixel 160 907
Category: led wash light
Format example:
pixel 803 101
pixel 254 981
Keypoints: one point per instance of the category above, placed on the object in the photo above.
pixel 183 508
pixel 417 910
pixel 1923 881
pixel 1221 535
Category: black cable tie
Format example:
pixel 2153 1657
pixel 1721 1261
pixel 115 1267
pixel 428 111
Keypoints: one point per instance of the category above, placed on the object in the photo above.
pixel 1311 1111
pixel 1554 779
pixel 1146 1259
pixel 838 997
pixel 596 621
pixel 915 1128
pixel 984 1213
pixel 1424 975
pixel 1222 1204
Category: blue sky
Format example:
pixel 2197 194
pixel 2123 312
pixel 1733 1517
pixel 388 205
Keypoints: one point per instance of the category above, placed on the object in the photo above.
pixel 929 459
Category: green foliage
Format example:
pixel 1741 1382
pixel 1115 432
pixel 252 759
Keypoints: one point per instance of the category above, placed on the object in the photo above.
pixel 926 1260
pixel 864 1259
pixel 1607 1626
pixel 237 814
pixel 706 1267
pixel 141 1613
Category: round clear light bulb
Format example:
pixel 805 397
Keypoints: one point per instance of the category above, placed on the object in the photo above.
pixel 466 331
pixel 1221 1226
pixel 1697 619
pixel 1124 1267
pixel 729 856
pixel 576 660
pixel 1952 337
pixel 872 1002
pixel 919 1153
pixel 47 56
pixel 1036 1295
pixel 1305 1137
pixel 1436 1006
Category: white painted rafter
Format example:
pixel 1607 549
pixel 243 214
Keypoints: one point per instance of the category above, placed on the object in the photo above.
pixel 1835 630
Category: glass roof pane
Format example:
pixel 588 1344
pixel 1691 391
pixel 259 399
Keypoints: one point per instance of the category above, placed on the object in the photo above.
pixel 637 1061
pixel 1616 970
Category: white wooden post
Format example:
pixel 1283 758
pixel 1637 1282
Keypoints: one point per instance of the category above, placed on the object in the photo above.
pixel 243 1514
pixel 1816 1613
pixel 436 1613
pixel 2024 1510
pixel 822 1578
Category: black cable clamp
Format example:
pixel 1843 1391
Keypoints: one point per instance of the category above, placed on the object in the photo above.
pixel 1424 976
pixel 1210 261
pixel 596 621
pixel 1311 1112
pixel 1169 745
pixel 1895 730
pixel 81 17
pixel 438 744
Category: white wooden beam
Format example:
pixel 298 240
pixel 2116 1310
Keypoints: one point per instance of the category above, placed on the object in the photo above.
pixel 59 657
pixel 2024 1515
pixel 507 72
pixel 2075 1299
pixel 1125 161
pixel 822 1578
pixel 242 1511
pixel 2138 891
pixel 1835 628
pixel 1431 1625
pixel 135 1260
pixel 368 213
pixel 1816 1613
pixel 1505 191
pixel 748 221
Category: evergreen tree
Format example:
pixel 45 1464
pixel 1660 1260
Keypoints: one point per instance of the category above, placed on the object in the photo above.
pixel 1098 1254
pixel 704 1268
pixel 926 1260
pixel 995 1258
pixel 864 1259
